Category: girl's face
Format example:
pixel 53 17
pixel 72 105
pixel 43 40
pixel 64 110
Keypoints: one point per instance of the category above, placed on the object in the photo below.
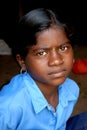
pixel 50 61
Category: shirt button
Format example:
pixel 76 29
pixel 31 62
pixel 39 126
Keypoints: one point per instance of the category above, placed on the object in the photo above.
pixel 52 122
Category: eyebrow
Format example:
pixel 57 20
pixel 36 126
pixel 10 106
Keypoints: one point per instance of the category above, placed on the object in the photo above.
pixel 38 49
pixel 48 48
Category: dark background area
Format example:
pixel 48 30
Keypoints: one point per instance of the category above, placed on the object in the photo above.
pixel 72 12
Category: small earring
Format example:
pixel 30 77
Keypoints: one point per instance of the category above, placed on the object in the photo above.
pixel 22 71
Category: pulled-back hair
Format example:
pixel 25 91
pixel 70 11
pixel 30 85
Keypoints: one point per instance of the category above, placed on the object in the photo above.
pixel 32 23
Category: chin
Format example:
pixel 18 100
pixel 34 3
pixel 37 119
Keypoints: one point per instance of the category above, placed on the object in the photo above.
pixel 58 82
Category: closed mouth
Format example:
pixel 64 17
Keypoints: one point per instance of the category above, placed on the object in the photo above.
pixel 57 74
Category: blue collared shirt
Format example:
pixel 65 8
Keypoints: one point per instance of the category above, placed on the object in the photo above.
pixel 24 107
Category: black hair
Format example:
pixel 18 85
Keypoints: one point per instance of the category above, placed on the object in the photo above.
pixel 32 23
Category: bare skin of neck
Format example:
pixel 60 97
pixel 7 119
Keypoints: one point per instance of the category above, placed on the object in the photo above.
pixel 52 99
pixel 51 94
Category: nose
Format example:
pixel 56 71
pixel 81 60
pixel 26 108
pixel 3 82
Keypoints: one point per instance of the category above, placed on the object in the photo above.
pixel 55 59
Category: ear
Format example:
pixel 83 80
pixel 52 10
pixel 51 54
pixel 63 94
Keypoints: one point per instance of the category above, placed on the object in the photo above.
pixel 21 62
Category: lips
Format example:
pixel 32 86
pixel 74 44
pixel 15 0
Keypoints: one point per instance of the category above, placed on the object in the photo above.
pixel 57 74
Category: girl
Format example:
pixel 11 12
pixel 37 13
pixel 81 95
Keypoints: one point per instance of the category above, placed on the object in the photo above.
pixel 42 96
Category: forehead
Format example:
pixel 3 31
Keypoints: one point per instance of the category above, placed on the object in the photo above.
pixel 53 35
pixel 51 29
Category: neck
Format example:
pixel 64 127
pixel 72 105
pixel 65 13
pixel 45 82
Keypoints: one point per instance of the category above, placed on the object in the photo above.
pixel 50 93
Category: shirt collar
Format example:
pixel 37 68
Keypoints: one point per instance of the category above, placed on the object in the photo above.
pixel 38 100
pixel 66 92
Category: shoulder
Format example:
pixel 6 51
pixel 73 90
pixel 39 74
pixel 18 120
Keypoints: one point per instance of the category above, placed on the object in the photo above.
pixel 12 88
pixel 14 92
pixel 73 84
pixel 14 80
pixel 71 87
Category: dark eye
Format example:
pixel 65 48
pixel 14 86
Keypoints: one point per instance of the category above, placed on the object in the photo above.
pixel 63 48
pixel 43 53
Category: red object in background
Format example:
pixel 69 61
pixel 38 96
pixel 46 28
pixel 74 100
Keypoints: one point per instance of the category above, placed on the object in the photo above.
pixel 80 66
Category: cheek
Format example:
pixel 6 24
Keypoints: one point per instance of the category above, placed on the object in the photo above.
pixel 36 71
pixel 36 67
pixel 69 60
